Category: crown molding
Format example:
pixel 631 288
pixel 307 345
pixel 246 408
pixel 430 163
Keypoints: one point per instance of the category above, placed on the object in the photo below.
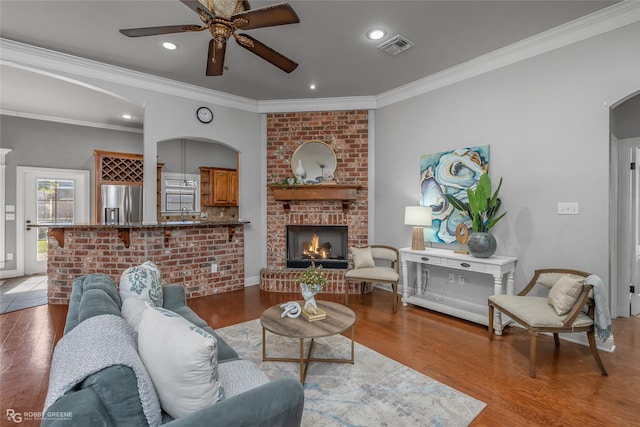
pixel 70 121
pixel 20 54
pixel 608 19
pixel 318 104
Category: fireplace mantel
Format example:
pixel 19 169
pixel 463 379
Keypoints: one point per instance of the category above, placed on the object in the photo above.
pixel 345 193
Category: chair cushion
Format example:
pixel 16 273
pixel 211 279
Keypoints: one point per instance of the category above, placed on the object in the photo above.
pixel 564 294
pixel 382 274
pixel 362 257
pixel 535 311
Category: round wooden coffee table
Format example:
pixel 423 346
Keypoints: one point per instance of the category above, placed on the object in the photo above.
pixel 339 319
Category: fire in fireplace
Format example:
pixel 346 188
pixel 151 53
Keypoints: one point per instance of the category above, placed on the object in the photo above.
pixel 324 245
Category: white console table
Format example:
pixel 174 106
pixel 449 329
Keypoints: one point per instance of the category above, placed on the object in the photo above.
pixel 496 266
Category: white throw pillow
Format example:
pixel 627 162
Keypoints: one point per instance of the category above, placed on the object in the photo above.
pixel 564 294
pixel 142 281
pixel 182 361
pixel 362 257
pixel 132 309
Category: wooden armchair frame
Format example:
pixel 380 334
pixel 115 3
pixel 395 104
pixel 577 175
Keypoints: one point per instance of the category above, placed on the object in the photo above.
pixel 352 274
pixel 567 324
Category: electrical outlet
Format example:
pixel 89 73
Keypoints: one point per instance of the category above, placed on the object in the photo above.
pixel 452 277
pixel 9 256
pixel 214 268
pixel 461 280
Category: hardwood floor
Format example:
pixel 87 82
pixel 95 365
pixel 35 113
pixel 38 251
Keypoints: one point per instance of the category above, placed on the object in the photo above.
pixel 568 391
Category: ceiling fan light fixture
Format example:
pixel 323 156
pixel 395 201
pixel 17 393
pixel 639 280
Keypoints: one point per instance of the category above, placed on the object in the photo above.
pixel 169 45
pixel 376 33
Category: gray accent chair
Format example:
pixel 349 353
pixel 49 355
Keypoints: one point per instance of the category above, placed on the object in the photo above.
pixel 386 270
pixel 537 316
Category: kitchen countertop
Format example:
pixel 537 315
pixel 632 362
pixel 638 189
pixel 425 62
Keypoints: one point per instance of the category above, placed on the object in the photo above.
pixel 169 224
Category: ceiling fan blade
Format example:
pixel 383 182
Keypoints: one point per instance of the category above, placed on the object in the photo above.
pixel 215 58
pixel 198 8
pixel 154 31
pixel 268 16
pixel 266 53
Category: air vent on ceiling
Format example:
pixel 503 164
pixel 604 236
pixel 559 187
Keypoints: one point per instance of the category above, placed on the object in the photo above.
pixel 396 45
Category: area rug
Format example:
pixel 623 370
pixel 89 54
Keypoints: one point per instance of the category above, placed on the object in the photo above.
pixel 375 390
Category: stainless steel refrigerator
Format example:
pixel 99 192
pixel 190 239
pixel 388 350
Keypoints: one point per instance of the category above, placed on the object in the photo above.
pixel 120 204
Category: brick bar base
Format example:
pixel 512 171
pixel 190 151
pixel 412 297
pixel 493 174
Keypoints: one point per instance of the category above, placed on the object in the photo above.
pixel 186 260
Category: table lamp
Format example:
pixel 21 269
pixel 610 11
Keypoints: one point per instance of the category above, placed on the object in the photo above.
pixel 419 217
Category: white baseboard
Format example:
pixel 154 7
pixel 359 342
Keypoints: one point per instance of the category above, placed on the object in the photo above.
pixel 251 281
pixel 6 274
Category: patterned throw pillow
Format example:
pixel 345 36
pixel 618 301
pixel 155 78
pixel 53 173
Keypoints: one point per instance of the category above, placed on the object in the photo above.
pixel 142 281
pixel 182 361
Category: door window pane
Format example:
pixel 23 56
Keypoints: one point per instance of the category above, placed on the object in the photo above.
pixel 55 203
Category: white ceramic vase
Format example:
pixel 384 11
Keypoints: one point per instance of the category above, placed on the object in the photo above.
pixel 300 171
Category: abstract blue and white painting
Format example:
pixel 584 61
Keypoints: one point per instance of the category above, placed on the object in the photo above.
pixel 449 172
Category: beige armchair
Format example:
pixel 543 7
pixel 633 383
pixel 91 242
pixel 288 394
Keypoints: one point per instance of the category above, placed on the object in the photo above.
pixel 374 264
pixel 560 312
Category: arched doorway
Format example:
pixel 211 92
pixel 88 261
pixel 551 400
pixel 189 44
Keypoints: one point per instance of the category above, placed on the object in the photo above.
pixel 625 206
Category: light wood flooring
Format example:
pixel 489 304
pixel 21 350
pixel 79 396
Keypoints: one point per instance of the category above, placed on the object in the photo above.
pixel 568 391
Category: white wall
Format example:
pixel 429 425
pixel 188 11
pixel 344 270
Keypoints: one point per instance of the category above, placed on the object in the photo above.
pixel 546 121
pixel 168 116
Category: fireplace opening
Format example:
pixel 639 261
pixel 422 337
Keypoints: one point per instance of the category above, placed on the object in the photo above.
pixel 324 245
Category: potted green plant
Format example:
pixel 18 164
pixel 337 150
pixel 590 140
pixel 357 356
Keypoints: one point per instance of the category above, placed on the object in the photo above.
pixel 312 281
pixel 482 208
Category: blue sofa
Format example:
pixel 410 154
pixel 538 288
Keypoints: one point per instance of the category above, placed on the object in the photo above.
pixel 110 396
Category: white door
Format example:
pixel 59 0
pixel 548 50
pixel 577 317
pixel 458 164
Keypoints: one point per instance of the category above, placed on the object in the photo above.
pixel 635 233
pixel 49 196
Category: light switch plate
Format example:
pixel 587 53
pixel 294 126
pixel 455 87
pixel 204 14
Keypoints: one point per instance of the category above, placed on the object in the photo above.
pixel 568 208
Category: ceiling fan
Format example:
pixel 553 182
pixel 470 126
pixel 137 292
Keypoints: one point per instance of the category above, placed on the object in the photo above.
pixel 223 18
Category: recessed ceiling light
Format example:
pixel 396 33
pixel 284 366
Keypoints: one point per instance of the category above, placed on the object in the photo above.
pixel 376 33
pixel 169 45
pixel 127 116
pixel 312 86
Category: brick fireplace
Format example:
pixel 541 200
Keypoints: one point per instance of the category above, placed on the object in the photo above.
pixel 347 133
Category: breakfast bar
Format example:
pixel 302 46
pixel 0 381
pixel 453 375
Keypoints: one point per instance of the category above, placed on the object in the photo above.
pixel 205 257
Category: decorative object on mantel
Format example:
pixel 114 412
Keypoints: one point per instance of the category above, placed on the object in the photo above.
pixel 482 209
pixel 419 217
pixel 312 281
pixel 317 161
pixel 300 171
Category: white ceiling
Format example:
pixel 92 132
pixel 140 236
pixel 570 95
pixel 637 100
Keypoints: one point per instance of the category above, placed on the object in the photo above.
pixel 329 43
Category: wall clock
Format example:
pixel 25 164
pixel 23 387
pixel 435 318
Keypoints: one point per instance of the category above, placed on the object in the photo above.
pixel 204 114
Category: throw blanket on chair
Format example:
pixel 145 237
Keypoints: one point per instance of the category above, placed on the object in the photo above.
pixel 95 344
pixel 602 318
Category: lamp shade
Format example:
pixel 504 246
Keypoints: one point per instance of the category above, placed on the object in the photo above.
pixel 417 215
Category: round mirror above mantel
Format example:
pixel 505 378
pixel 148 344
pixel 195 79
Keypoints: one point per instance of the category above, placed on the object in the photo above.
pixel 314 162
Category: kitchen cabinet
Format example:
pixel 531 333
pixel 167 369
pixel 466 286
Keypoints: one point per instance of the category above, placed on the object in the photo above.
pixel 218 186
